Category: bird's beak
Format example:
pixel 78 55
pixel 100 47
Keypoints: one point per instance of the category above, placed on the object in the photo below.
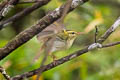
pixel 78 33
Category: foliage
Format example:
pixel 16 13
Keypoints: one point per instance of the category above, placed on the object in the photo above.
pixel 102 64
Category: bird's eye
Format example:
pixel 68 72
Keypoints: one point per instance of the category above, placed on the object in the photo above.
pixel 73 33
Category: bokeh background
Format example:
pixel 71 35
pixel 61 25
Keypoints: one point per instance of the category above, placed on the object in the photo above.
pixel 101 64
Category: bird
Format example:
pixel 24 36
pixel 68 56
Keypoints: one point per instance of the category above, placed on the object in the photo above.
pixel 56 39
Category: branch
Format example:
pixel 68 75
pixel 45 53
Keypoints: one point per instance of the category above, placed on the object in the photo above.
pixel 7 7
pixel 23 13
pixel 26 2
pixel 96 33
pixel 111 44
pixel 109 31
pixel 113 3
pixel 27 34
pixel 66 58
pixel 3 72
pixel 2 4
pixel 51 65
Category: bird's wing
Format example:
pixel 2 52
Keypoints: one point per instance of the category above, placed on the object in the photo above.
pixel 50 31
pixel 44 35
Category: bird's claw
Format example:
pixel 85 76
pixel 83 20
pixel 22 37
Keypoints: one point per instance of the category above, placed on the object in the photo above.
pixel 55 62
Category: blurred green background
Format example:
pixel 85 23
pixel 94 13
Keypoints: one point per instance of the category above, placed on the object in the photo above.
pixel 101 64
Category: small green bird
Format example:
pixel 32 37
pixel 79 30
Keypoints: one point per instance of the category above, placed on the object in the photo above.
pixel 56 40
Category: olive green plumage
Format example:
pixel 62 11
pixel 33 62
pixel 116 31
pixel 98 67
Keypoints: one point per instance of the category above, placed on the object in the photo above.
pixel 56 38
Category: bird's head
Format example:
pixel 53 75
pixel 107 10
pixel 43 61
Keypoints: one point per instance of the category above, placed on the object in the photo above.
pixel 71 34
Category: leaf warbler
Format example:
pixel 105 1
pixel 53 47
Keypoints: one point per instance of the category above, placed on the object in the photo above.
pixel 53 41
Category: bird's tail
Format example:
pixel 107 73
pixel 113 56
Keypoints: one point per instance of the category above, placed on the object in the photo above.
pixel 38 53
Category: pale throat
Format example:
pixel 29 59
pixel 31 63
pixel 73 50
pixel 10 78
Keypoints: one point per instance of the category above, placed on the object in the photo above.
pixel 70 42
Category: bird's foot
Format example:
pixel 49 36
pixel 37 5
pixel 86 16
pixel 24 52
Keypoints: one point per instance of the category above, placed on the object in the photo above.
pixel 55 62
pixel 54 59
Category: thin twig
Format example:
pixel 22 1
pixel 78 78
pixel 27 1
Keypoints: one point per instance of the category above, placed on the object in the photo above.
pixel 110 44
pixel 26 2
pixel 2 4
pixel 109 31
pixel 96 33
pixel 7 7
pixel 23 13
pixel 3 72
pixel 113 3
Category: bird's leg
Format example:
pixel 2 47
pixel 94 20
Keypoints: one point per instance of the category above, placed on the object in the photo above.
pixel 54 58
